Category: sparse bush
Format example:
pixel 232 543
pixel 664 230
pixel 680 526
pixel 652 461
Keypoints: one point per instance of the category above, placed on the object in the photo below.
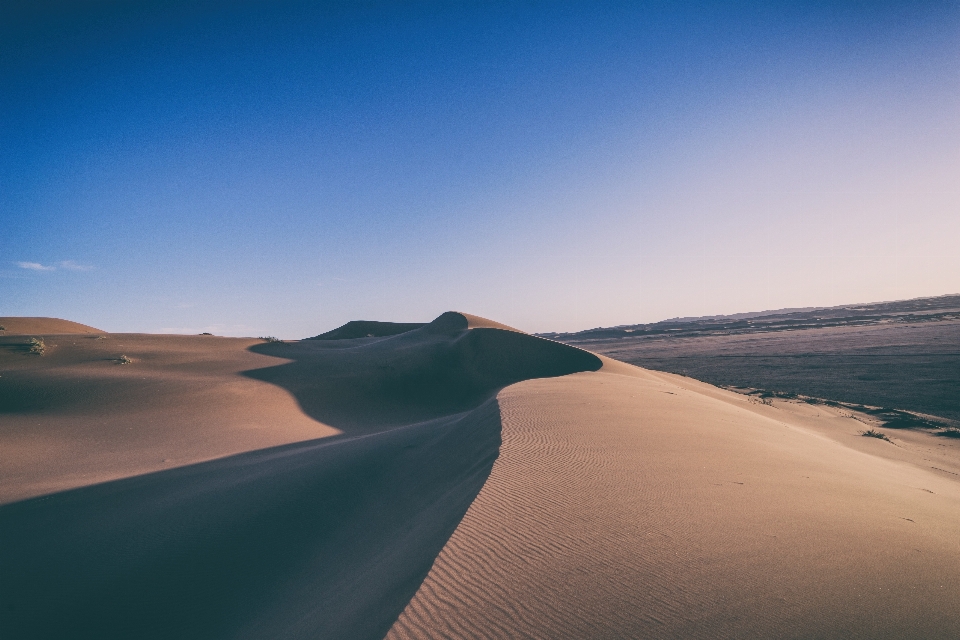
pixel 2 328
pixel 37 346
pixel 205 333
pixel 873 433
pixel 124 360
pixel 270 339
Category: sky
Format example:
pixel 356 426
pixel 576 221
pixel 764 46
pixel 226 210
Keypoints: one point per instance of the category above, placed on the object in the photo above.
pixel 279 168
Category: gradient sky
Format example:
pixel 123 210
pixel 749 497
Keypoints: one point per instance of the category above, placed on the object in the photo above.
pixel 280 168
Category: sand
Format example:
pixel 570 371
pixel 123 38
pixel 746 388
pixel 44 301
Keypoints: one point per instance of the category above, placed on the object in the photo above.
pixel 459 480
pixel 640 506
pixel 74 416
pixel 18 326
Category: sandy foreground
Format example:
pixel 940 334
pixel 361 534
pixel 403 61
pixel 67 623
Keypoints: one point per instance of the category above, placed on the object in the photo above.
pixel 459 480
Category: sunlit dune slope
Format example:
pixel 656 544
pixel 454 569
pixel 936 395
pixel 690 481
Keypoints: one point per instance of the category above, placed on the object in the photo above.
pixel 76 416
pixel 627 503
pixel 323 537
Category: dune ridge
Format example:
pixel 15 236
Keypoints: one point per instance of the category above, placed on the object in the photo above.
pixel 458 480
pixel 326 537
pixel 627 503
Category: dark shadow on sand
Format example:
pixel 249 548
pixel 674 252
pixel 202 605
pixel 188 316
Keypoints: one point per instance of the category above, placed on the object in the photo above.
pixel 327 538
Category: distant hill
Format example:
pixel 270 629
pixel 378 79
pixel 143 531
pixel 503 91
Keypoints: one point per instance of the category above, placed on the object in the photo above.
pixel 367 329
pixel 903 311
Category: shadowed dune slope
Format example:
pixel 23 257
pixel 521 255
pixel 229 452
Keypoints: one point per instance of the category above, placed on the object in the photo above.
pixel 42 326
pixel 367 329
pixel 446 366
pixel 322 538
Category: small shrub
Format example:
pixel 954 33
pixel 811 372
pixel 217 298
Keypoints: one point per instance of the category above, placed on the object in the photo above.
pixel 206 334
pixel 124 360
pixel 2 328
pixel 270 339
pixel 37 346
pixel 873 433
pixel 98 338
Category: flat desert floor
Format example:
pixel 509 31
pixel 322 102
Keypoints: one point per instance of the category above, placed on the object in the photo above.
pixel 459 480
pixel 910 366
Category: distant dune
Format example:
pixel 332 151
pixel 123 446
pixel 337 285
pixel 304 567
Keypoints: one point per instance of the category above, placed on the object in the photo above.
pixel 42 326
pixel 460 479
pixel 368 329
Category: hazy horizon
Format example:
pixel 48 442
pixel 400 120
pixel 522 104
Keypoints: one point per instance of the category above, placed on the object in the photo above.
pixel 282 168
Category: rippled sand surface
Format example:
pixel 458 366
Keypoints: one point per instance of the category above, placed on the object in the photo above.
pixel 459 480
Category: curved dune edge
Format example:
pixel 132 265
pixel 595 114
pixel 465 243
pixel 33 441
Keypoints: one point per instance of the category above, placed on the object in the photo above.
pixel 15 325
pixel 627 503
pixel 476 322
pixel 482 483
pixel 328 538
pixel 320 539
pixel 447 366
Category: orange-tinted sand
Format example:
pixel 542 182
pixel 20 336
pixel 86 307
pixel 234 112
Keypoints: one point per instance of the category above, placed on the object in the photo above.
pixel 459 480
pixel 14 326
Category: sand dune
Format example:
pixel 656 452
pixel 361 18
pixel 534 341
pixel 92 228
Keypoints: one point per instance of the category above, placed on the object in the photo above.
pixel 461 479
pixel 641 506
pixel 326 537
pixel 75 416
pixel 42 326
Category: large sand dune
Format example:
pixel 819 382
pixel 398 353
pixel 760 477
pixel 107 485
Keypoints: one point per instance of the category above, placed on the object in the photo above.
pixel 461 479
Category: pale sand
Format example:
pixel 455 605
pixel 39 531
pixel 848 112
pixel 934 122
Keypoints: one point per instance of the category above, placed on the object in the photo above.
pixel 653 506
pixel 74 416
pixel 414 480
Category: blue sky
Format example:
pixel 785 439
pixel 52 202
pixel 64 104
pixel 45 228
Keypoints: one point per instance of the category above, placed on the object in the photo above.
pixel 281 168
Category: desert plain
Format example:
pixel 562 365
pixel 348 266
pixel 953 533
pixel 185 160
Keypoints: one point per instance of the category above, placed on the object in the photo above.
pixel 455 479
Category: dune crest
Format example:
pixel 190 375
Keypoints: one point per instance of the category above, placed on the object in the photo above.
pixel 446 366
pixel 632 504
pixel 15 325
pixel 461 479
